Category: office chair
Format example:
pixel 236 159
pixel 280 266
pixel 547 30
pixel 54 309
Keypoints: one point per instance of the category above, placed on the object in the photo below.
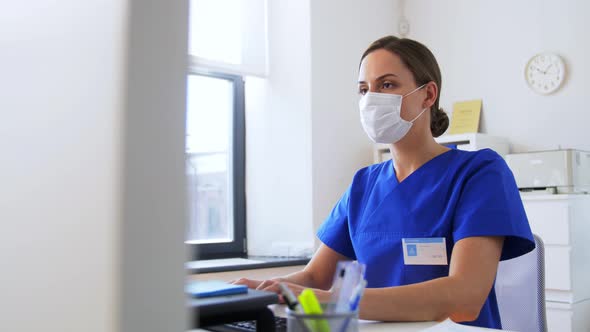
pixel 520 291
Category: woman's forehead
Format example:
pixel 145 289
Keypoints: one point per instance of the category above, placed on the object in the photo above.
pixel 381 62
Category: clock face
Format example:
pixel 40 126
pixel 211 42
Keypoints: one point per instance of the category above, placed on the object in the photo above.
pixel 545 72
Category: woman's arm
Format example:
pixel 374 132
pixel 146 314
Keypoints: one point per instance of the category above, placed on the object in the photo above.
pixel 460 296
pixel 318 273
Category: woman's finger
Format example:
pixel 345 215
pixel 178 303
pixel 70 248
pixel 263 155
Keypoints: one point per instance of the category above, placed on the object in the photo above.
pixel 248 282
pixel 264 284
pixel 273 287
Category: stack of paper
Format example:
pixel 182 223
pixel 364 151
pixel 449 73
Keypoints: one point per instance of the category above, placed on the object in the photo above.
pixel 450 326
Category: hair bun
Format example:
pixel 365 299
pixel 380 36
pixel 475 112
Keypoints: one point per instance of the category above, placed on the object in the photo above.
pixel 439 122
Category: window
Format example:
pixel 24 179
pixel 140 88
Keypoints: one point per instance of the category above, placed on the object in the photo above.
pixel 215 164
pixel 229 36
pixel 227 40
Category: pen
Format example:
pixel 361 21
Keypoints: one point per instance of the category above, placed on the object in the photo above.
pixel 292 303
pixel 356 295
pixel 354 300
pixel 311 306
pixel 290 298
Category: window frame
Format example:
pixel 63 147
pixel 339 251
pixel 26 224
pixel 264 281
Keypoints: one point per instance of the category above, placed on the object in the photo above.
pixel 237 247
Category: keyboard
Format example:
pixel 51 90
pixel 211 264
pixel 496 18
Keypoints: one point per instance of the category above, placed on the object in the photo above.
pixel 248 326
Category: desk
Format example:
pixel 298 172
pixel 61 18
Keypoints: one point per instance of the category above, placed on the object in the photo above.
pixel 364 325
pixel 279 310
pixel 373 326
pixel 367 325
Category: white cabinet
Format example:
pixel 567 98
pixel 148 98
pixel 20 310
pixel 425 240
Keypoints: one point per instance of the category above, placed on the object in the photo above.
pixel 476 141
pixel 466 142
pixel 563 222
pixel 568 316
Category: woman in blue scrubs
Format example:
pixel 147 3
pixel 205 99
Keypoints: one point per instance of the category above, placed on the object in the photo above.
pixel 432 223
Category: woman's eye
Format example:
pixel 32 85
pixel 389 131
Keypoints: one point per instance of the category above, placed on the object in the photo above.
pixel 363 91
pixel 387 85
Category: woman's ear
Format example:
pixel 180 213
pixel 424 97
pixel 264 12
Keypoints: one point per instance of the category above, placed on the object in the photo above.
pixel 431 94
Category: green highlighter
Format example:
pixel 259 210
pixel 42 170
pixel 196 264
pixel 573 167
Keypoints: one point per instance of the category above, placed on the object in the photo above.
pixel 311 306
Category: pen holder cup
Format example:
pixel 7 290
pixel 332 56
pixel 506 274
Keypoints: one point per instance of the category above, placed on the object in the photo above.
pixel 326 322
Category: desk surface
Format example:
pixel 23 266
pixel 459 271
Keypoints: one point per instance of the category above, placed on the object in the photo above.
pixel 373 326
pixel 279 310
pixel 367 325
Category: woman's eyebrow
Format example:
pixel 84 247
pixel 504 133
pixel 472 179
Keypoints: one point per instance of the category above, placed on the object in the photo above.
pixel 380 77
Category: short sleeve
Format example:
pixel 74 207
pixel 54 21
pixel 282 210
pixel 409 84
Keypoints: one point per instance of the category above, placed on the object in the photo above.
pixel 334 231
pixel 490 205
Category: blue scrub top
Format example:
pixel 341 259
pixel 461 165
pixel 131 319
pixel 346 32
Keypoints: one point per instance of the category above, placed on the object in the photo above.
pixel 455 195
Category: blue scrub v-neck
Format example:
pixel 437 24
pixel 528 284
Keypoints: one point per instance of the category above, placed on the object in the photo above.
pixel 423 168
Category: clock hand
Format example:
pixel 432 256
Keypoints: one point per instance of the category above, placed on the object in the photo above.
pixel 546 69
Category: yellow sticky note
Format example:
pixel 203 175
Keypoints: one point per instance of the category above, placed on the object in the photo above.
pixel 465 117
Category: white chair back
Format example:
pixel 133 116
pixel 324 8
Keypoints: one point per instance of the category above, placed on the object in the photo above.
pixel 520 291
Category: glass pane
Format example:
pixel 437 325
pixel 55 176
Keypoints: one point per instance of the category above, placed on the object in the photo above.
pixel 208 150
pixel 216 30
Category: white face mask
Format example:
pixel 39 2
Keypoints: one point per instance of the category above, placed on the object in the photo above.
pixel 381 118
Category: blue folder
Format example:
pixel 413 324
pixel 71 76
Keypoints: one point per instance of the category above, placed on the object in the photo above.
pixel 214 288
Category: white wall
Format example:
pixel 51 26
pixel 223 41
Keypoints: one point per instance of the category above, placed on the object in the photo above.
pixel 340 33
pixel 303 136
pixel 482 48
pixel 65 149
pixel 278 136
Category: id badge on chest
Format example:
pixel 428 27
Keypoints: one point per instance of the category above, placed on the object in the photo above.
pixel 425 251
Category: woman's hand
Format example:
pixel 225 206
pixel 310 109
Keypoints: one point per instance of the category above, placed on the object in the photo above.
pixel 250 283
pixel 256 284
pixel 272 285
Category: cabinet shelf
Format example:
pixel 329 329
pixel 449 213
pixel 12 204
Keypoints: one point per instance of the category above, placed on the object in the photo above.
pixel 467 142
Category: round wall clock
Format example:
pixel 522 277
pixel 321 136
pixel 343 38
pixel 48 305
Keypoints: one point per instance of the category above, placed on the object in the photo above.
pixel 545 73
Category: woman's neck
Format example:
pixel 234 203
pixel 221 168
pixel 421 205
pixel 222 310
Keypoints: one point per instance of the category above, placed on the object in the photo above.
pixel 412 152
